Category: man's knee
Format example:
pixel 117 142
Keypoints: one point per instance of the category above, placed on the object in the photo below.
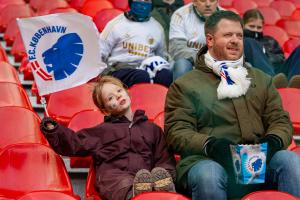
pixel 286 159
pixel 207 172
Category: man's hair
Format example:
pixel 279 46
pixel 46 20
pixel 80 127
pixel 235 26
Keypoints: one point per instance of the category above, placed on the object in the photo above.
pixel 97 92
pixel 252 14
pixel 213 20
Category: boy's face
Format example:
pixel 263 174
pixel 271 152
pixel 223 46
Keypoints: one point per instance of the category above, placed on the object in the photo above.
pixel 206 7
pixel 116 99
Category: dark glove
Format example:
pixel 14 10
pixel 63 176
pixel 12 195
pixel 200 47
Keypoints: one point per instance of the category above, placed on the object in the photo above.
pixel 274 144
pixel 219 151
pixel 48 125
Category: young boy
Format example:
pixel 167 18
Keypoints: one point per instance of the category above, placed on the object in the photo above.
pixel 125 148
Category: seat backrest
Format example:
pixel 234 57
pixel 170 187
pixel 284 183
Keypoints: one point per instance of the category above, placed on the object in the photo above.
pixel 120 4
pixel 269 195
pixel 225 3
pixel 3 56
pixel 104 16
pixel 91 7
pixel 32 167
pixel 64 104
pixel 296 149
pixel 148 97
pixel 264 3
pixel 285 8
pixel 47 195
pixel 18 48
pixel 8 73
pixel 271 15
pixel 160 196
pixel 290 102
pixel 160 120
pixel 13 11
pixel 13 95
pixel 86 119
pixel 243 6
pixel 290 45
pixel 292 27
pixel 19 125
pixel 278 33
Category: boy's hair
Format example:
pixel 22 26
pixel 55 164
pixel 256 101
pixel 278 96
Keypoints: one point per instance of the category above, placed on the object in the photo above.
pixel 213 20
pixel 252 14
pixel 97 92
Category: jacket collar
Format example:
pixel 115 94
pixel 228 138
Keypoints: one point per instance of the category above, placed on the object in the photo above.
pixel 139 115
pixel 200 63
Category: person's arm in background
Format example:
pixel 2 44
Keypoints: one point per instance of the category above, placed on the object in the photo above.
pixel 178 41
pixel 107 41
pixel 273 51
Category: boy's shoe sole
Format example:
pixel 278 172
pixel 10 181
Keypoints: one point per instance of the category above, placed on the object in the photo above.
pixel 162 180
pixel 142 182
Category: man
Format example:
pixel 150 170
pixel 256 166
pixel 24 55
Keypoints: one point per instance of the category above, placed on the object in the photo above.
pixel 131 38
pixel 186 35
pixel 224 101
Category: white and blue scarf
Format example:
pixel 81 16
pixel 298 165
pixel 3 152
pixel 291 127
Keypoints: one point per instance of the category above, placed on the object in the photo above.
pixel 234 81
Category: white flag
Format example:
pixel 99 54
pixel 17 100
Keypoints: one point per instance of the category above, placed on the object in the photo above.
pixel 63 50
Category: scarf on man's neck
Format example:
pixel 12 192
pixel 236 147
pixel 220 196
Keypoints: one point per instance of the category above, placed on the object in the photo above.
pixel 234 82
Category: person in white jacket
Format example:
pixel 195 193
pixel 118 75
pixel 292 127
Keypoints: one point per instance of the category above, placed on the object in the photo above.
pixel 186 34
pixel 129 39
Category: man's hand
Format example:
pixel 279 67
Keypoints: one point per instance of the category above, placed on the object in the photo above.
pixel 219 151
pixel 274 145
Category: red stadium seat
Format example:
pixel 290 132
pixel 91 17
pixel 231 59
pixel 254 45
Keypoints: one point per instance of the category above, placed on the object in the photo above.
pixel 160 196
pixel 285 8
pixel 160 120
pixel 104 16
pixel 90 192
pixel 296 3
pixel 148 97
pixel 290 102
pixel 21 125
pixel 64 104
pixel 62 10
pixel 41 6
pixel 290 45
pixel 32 167
pixel 18 49
pixel 84 119
pixel 91 7
pixel 295 15
pixel 47 195
pixel 243 6
pixel 278 33
pixel 4 3
pixel 11 32
pixel 11 12
pixel 271 15
pixel 25 69
pixel 120 4
pixel 225 3
pixel 290 26
pixel 264 3
pixel 13 95
pixel 3 56
pixel 77 4
pixel 8 73
pixel 269 195
pixel 187 1
pixel 296 149
pixel 292 145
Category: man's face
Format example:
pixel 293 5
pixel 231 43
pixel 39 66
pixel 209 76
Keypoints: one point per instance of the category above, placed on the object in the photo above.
pixel 227 41
pixel 206 7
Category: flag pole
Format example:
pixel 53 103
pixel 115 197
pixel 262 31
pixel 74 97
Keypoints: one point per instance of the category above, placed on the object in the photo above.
pixel 44 104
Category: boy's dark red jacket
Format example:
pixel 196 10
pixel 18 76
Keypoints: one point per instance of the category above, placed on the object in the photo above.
pixel 119 149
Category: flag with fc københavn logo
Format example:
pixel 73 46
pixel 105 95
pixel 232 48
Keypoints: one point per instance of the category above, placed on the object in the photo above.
pixel 62 49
